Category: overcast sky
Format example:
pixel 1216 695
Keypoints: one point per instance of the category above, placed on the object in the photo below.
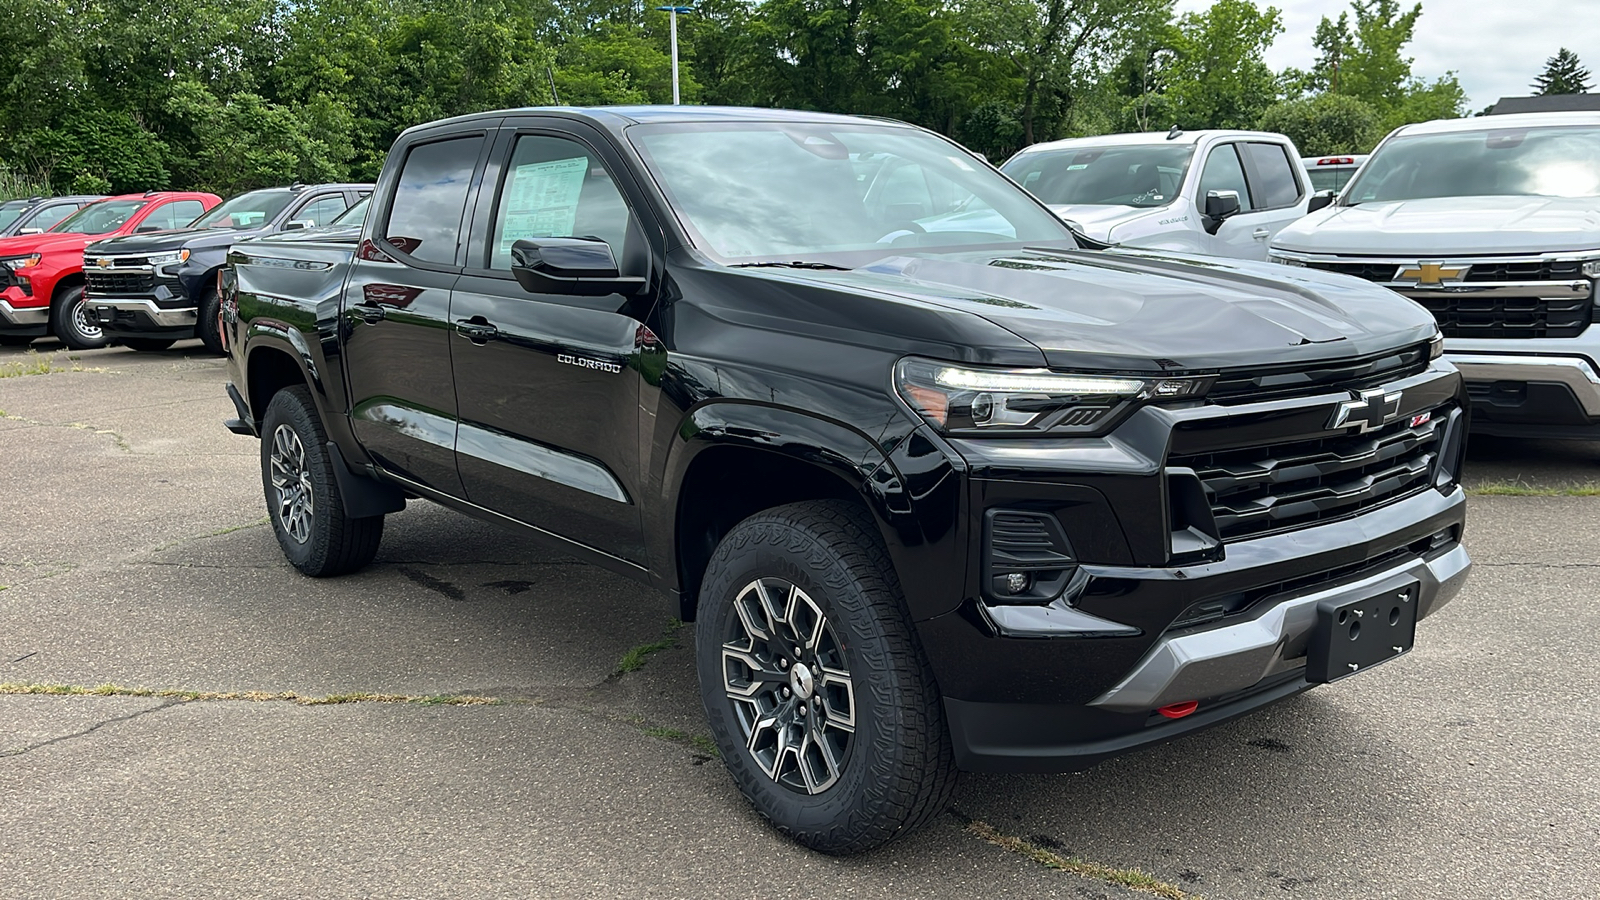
pixel 1495 47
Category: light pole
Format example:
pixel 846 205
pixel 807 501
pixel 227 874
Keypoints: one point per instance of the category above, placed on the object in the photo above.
pixel 672 12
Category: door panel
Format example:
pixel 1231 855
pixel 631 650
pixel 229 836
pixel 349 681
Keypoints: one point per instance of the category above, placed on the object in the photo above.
pixel 549 385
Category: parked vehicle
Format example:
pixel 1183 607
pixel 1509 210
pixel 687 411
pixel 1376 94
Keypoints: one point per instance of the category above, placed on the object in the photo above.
pixel 937 499
pixel 1220 193
pixel 148 290
pixel 1493 225
pixel 37 215
pixel 42 274
pixel 1331 173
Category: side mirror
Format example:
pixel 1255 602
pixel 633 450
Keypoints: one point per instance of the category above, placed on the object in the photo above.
pixel 22 231
pixel 298 224
pixel 1320 200
pixel 1221 204
pixel 144 228
pixel 579 266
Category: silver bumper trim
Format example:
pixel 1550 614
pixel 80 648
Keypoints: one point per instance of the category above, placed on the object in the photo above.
pixel 26 316
pixel 165 318
pixel 1572 371
pixel 1230 658
pixel 1542 290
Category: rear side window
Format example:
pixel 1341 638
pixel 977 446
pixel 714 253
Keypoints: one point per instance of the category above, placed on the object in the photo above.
pixel 425 218
pixel 1275 184
pixel 1224 173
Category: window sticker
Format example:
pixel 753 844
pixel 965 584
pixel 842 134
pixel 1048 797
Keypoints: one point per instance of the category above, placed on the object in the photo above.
pixel 542 200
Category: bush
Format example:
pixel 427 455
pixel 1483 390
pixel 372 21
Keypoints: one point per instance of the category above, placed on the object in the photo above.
pixel 1326 124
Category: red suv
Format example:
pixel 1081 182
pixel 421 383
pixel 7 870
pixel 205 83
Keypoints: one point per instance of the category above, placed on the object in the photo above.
pixel 41 275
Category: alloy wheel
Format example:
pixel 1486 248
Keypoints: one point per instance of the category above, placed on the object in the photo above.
pixel 291 484
pixel 787 676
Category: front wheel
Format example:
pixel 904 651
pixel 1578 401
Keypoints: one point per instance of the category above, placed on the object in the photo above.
pixel 69 319
pixel 207 325
pixel 303 499
pixel 814 682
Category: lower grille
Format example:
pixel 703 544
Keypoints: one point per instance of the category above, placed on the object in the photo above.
pixel 107 284
pixel 1254 491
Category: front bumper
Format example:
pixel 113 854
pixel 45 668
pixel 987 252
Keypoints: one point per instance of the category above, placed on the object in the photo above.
pixel 1524 395
pixel 122 316
pixel 24 319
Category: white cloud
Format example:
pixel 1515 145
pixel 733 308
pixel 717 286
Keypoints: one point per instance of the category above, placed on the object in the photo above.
pixel 1495 48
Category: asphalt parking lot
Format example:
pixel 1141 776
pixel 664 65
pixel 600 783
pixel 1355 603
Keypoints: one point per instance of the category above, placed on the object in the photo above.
pixel 133 553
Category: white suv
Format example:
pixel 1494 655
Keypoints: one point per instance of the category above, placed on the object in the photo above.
pixel 1493 224
pixel 1219 193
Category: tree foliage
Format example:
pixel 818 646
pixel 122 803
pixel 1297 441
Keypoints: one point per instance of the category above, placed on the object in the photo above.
pixel 1563 74
pixel 1326 124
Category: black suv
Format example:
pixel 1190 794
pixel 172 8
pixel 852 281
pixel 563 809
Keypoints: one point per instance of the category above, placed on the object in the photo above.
pixel 39 214
pixel 940 489
pixel 148 290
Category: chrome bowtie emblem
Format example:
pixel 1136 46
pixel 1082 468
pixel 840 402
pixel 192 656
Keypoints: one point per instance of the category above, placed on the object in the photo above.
pixel 1368 411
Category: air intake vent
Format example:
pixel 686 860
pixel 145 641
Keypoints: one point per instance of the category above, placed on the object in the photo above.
pixel 1027 558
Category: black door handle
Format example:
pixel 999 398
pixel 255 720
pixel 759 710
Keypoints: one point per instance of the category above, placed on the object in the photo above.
pixel 369 312
pixel 477 330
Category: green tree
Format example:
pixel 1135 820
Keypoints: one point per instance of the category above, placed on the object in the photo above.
pixel 1218 76
pixel 1325 124
pixel 1563 74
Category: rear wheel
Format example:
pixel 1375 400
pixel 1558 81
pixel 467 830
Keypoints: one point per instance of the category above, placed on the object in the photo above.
pixel 146 343
pixel 206 325
pixel 69 319
pixel 303 499
pixel 814 682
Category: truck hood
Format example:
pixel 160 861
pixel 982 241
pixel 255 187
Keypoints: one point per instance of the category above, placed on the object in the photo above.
pixel 1449 226
pixel 168 241
pixel 45 243
pixel 1097 221
pixel 1152 312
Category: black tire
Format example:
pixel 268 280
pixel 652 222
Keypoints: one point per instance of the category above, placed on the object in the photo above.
pixel 146 344
pixel 15 340
pixel 68 322
pixel 206 325
pixel 896 770
pixel 317 537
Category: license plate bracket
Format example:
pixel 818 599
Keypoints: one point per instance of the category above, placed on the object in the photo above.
pixel 1352 636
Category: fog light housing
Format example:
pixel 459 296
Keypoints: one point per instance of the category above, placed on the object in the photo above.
pixel 1017 582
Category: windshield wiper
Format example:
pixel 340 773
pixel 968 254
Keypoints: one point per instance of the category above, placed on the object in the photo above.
pixel 791 264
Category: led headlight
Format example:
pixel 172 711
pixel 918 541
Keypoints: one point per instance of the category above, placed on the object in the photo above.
pixel 167 259
pixel 1284 260
pixel 976 400
pixel 1592 268
pixel 19 263
pixel 1435 346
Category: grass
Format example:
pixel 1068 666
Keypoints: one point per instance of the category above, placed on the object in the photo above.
pixel 1518 489
pixel 34 364
pixel 1133 879
pixel 117 690
pixel 634 659
pixel 696 741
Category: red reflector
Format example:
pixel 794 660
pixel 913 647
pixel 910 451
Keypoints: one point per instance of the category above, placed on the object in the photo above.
pixel 1421 419
pixel 1179 710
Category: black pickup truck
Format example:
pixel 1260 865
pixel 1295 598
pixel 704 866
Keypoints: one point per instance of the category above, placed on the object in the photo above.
pixel 149 290
pixel 941 489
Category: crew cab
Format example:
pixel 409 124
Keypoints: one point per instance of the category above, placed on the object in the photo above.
pixel 152 289
pixel 41 275
pixel 37 215
pixel 936 498
pixel 1219 193
pixel 1493 225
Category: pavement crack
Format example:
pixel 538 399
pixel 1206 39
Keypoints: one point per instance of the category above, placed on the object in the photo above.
pixel 117 440
pixel 1132 879
pixel 90 730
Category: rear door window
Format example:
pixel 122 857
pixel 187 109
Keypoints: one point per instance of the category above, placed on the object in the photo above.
pixel 1273 179
pixel 425 216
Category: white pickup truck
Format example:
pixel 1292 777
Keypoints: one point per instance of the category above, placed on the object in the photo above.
pixel 1493 225
pixel 1218 193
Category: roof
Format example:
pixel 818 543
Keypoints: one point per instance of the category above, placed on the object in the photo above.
pixel 623 116
pixel 1547 103
pixel 1184 138
pixel 1485 123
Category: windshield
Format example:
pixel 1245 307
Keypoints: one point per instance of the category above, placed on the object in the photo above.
pixel 10 212
pixel 99 218
pixel 782 191
pixel 355 215
pixel 1513 162
pixel 252 210
pixel 1143 175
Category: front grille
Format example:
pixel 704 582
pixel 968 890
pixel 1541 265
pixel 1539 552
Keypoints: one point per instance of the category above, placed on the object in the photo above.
pixel 110 284
pixel 1300 379
pixel 1467 315
pixel 1530 270
pixel 1260 490
pixel 1370 271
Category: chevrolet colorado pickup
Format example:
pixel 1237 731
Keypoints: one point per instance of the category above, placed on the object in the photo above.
pixel 152 289
pixel 940 489
pixel 1219 193
pixel 1492 224
pixel 41 275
